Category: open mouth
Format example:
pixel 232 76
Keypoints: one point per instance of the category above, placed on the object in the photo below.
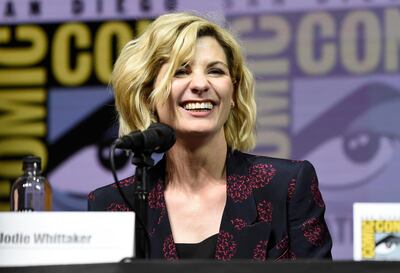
pixel 198 106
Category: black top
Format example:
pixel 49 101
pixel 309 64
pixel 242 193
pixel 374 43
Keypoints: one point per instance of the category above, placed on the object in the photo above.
pixel 203 250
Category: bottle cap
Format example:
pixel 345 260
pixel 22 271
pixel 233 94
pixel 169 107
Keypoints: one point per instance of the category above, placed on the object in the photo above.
pixel 31 162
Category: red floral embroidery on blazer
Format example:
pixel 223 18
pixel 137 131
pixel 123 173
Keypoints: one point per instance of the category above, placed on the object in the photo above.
pixel 273 210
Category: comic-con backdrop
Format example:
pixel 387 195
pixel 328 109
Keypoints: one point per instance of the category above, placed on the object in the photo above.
pixel 328 90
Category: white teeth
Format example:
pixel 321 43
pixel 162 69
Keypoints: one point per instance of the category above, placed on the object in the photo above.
pixel 198 106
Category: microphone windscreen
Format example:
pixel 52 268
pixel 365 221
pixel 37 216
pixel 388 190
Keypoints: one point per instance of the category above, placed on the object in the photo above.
pixel 159 137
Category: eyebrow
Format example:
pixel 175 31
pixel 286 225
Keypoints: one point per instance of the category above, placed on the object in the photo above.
pixel 218 62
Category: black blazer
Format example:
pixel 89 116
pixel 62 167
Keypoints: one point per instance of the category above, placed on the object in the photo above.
pixel 274 210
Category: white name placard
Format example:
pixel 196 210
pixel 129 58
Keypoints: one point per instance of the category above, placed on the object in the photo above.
pixel 49 238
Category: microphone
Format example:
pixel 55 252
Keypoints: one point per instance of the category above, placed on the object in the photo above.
pixel 158 138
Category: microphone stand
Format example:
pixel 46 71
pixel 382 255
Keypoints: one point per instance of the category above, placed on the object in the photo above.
pixel 143 162
pixel 157 138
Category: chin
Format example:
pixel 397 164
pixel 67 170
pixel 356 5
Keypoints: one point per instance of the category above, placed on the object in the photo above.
pixel 199 131
pixel 196 131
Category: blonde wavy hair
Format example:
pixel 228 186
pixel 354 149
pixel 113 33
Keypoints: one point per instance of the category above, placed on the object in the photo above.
pixel 171 38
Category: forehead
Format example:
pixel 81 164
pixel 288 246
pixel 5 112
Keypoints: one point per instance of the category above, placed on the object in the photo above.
pixel 207 48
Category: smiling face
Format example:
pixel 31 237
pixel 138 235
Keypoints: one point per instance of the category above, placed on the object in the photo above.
pixel 201 92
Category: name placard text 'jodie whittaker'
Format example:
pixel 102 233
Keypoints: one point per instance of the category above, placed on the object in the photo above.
pixel 48 238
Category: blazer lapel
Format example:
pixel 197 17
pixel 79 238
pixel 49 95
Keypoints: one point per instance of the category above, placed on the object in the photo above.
pixel 159 229
pixel 242 233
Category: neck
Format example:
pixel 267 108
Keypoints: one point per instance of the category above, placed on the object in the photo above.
pixel 192 167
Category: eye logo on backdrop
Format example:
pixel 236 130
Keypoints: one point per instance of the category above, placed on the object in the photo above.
pixel 360 139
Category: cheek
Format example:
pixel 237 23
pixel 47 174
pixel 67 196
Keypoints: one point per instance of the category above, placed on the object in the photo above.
pixel 170 106
pixel 227 106
pixel 227 92
pixel 163 109
pixel 228 98
pixel 166 111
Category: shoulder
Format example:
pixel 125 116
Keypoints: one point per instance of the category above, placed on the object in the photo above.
pixel 273 176
pixel 108 197
pixel 280 165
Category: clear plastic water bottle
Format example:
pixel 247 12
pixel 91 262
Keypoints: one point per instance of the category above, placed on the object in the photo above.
pixel 31 191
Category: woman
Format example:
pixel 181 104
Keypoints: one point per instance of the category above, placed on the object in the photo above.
pixel 208 199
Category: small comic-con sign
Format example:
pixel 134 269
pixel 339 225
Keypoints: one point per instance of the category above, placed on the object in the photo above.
pixel 376 231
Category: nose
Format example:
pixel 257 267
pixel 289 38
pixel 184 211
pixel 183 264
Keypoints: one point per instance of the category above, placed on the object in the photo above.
pixel 199 82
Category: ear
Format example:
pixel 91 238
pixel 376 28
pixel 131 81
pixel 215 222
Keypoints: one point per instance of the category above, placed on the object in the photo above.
pixel 154 115
pixel 233 98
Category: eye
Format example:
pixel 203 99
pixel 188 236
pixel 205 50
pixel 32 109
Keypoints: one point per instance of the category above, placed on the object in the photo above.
pixel 70 194
pixel 216 71
pixel 385 247
pixel 74 191
pixel 90 157
pixel 353 159
pixel 182 71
